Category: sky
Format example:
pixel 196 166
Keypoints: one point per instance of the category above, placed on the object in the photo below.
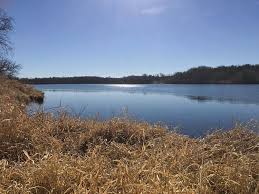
pixel 124 37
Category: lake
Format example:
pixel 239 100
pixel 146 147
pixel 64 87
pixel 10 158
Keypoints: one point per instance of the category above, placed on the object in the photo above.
pixel 193 109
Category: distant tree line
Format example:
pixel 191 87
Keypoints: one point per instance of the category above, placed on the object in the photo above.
pixel 243 74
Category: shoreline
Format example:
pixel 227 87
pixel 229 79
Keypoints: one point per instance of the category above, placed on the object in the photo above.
pixel 42 153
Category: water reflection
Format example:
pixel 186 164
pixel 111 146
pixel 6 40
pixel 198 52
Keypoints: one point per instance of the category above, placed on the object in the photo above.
pixel 194 109
pixel 248 94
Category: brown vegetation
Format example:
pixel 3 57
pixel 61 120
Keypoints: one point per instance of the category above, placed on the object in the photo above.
pixel 12 91
pixel 46 154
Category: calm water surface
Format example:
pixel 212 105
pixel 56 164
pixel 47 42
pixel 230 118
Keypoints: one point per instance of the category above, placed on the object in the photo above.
pixel 194 109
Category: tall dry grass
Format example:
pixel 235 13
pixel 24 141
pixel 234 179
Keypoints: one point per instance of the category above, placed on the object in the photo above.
pixel 46 154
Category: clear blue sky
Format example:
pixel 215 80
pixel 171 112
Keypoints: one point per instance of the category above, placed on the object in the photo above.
pixel 123 37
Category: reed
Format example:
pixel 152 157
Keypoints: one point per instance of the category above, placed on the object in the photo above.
pixel 41 153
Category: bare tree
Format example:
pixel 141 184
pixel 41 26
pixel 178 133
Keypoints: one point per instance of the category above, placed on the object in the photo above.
pixel 9 68
pixel 6 26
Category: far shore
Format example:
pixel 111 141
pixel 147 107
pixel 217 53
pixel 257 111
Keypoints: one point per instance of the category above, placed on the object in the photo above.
pixel 243 74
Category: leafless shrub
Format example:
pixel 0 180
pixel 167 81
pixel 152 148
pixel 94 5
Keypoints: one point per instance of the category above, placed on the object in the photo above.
pixel 9 68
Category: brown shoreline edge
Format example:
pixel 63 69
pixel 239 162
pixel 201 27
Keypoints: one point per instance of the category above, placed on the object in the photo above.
pixel 21 93
pixel 42 154
pixel 38 98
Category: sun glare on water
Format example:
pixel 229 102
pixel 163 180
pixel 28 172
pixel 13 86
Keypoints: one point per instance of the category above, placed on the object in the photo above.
pixel 125 85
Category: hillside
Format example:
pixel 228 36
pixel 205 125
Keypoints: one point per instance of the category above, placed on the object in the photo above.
pixel 45 154
pixel 245 74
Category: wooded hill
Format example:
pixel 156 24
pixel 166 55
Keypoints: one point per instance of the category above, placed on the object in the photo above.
pixel 244 74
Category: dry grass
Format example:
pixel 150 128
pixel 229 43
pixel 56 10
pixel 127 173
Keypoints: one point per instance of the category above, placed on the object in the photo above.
pixel 13 91
pixel 46 154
